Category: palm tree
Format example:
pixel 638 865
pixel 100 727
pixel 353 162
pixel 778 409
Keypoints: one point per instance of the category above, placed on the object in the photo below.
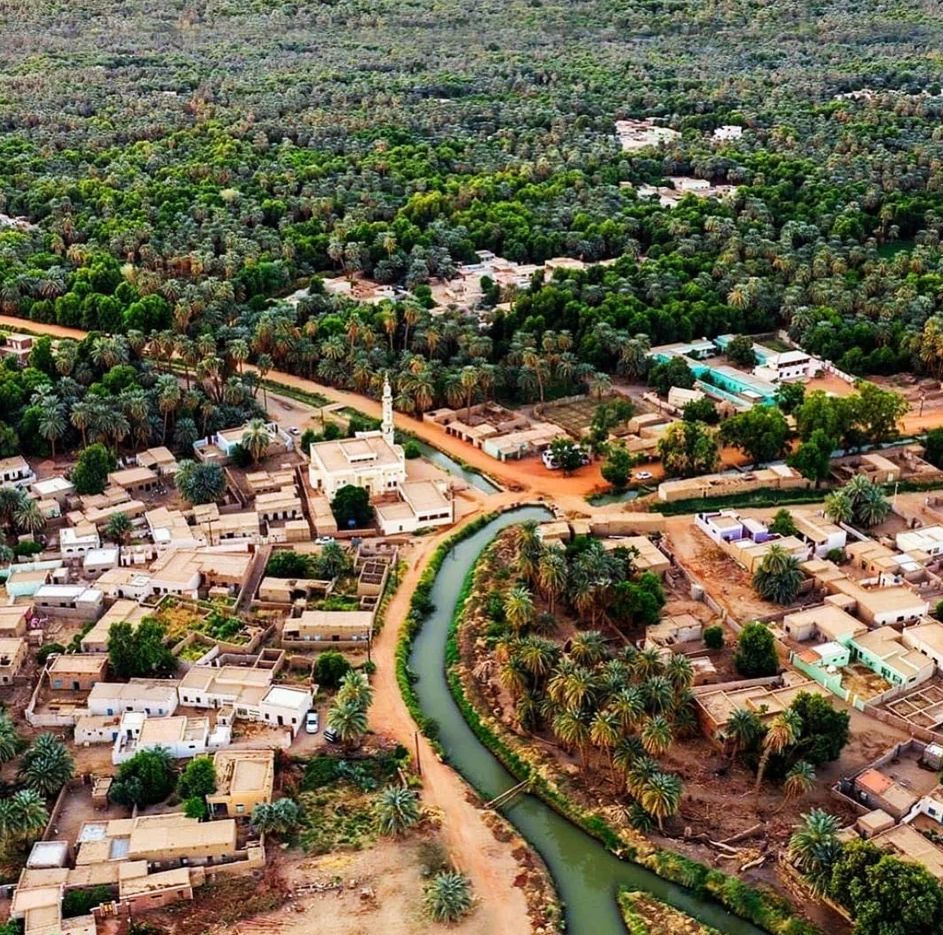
pixel 168 399
pixel 799 780
pixel 256 439
pixel 551 574
pixel 82 417
pixel 571 728
pixel 28 516
pixel 661 797
pixel 636 779
pixel 356 685
pixel 679 672
pixel 627 752
pixel 814 848
pixel 839 508
pixel 348 717
pixel 778 577
pixel 46 766
pixel 397 810
pixel 119 529
pixel 448 897
pixel 22 815
pixel 742 728
pixel 9 739
pixel 276 817
pixel 659 694
pixel 647 663
pixel 629 706
pixel 657 735
pixel 605 731
pixel 519 607
pixel 588 647
pixel 537 655
pixel 783 732
pixel 529 550
pixel 51 420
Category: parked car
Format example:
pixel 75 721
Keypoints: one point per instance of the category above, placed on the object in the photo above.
pixel 295 430
pixel 324 540
pixel 331 735
pixel 643 475
pixel 312 722
pixel 550 462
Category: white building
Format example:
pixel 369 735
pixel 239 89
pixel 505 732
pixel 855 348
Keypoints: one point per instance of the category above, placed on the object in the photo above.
pixel 76 541
pixel 929 539
pixel 926 638
pixel 788 366
pixel 422 504
pixel 69 600
pixel 155 697
pixel 180 735
pixel 371 460
pixel 16 472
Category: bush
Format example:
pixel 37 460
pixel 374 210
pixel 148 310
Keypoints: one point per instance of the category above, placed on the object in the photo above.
pixel 47 650
pixel 714 637
pixel 286 563
pixel 412 450
pixel 756 651
pixel 80 902
pixel 27 548
pixel 146 779
pixel 330 668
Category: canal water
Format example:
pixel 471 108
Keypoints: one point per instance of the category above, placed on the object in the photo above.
pixel 586 874
pixel 442 460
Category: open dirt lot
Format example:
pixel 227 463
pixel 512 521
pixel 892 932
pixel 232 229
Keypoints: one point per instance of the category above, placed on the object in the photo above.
pixel 725 581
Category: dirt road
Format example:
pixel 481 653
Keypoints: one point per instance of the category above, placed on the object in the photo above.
pixel 473 846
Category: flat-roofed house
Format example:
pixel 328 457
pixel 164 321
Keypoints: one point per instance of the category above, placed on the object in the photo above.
pixel 876 790
pixel 826 622
pixel 180 735
pixel 78 540
pixel 907 842
pixel 53 488
pixel 929 539
pixel 160 460
pixel 96 640
pixel 249 692
pixel 135 480
pixel 76 671
pixel 154 697
pixel 927 639
pixel 244 779
pixel 339 628
pixel 13 653
pixel 277 505
pixel 422 503
pixel 884 652
pixel 218 448
pixel 16 472
pixel 13 619
pixel 69 600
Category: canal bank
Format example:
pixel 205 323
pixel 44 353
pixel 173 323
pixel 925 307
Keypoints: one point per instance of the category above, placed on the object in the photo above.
pixel 586 873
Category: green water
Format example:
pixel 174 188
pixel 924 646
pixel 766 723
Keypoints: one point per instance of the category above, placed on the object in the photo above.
pixel 442 460
pixel 587 876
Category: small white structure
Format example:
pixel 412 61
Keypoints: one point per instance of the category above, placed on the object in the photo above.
pixel 285 706
pixel 180 735
pixel 53 488
pixel 76 541
pixel 69 600
pixel 154 697
pixel 16 472
pixel 789 366
pixel 727 133
pixel 929 539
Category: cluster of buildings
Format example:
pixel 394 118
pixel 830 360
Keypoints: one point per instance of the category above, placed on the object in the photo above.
pixel 148 861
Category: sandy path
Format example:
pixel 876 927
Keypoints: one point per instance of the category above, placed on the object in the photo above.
pixel 470 842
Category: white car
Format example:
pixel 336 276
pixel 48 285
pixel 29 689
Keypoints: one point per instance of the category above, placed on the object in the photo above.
pixel 295 430
pixel 324 540
pixel 643 475
pixel 312 722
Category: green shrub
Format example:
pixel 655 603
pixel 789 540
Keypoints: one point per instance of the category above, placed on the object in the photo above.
pixel 714 637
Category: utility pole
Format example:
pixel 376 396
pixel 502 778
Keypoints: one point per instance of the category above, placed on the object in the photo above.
pixel 418 760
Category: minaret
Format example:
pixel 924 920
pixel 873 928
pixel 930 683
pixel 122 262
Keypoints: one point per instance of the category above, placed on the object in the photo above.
pixel 386 426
